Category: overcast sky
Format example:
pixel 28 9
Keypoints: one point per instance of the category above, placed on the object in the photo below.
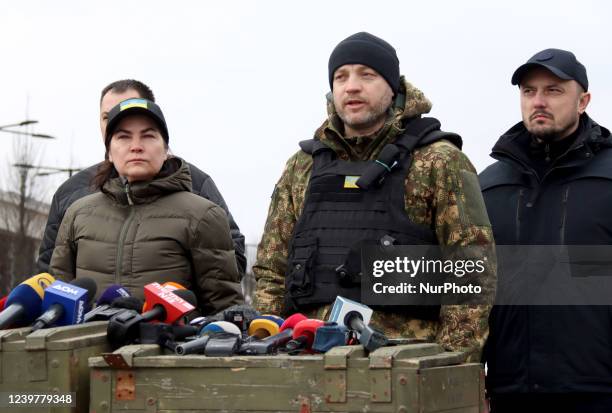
pixel 242 82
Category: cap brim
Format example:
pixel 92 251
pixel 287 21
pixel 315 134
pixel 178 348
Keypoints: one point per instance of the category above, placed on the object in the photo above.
pixel 112 125
pixel 522 70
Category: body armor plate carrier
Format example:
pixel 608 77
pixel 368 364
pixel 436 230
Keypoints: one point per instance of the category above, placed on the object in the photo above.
pixel 340 216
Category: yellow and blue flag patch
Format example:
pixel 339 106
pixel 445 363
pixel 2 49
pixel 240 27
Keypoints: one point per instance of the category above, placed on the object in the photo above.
pixel 350 181
pixel 133 103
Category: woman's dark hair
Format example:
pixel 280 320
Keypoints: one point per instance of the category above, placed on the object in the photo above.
pixel 105 172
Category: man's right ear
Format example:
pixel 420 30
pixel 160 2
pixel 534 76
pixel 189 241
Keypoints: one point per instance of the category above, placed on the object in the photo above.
pixel 330 97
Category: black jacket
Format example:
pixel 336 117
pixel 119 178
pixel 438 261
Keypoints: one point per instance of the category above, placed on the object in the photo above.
pixel 79 186
pixel 550 348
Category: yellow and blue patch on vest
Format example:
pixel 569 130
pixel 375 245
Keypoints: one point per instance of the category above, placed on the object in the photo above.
pixel 350 181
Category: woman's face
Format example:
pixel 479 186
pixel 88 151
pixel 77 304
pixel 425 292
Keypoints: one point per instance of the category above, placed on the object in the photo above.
pixel 137 149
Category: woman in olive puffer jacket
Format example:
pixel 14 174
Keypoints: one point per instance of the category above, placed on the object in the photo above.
pixel 145 225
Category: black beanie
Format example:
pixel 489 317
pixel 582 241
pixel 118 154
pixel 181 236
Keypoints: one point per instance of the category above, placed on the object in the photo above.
pixel 368 50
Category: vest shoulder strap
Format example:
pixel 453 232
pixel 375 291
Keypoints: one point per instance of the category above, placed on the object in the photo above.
pixel 313 146
pixel 439 135
pixel 424 131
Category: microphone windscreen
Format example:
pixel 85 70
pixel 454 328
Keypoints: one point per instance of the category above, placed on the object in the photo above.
pixel 39 283
pixel 221 327
pixel 188 296
pixel 87 284
pixel 292 320
pixel 27 297
pixel 171 285
pixel 111 293
pixel 131 303
pixel 278 320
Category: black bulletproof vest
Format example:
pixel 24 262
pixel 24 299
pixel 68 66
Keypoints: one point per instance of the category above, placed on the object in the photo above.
pixel 339 218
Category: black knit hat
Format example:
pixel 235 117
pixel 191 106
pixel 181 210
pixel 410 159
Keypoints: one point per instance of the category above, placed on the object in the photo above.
pixel 135 106
pixel 369 50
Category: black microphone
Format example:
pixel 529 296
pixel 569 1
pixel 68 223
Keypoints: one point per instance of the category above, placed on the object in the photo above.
pixel 369 338
pixel 128 303
pixel 165 335
pixel 107 311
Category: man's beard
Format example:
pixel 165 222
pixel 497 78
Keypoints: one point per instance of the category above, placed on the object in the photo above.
pixel 373 116
pixel 552 134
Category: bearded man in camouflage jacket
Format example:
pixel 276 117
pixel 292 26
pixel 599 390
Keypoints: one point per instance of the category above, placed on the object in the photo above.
pixel 317 214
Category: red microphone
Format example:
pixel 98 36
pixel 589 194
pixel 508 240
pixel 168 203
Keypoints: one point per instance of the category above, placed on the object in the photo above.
pixel 271 344
pixel 303 336
pixel 165 305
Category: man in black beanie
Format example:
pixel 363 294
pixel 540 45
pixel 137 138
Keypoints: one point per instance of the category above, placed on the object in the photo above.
pixel 353 194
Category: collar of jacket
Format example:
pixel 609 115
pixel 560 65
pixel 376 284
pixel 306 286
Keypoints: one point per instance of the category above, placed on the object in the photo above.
pixel 367 147
pixel 514 144
pixel 173 177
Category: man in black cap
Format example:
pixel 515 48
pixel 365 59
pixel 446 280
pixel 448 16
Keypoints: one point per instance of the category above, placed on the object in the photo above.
pixel 551 185
pixel 80 185
pixel 322 212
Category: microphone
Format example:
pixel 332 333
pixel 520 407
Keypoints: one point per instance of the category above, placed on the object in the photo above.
pixel 166 306
pixel 2 302
pixel 169 285
pixel 220 327
pixel 224 339
pixel 369 338
pixel 271 344
pixel 328 336
pixel 192 347
pixel 112 301
pixel 111 293
pixel 291 321
pixel 216 330
pixel 375 173
pixel 239 314
pixel 303 335
pixel 64 304
pixel 24 303
pixel 356 316
pixel 264 326
pixel 165 335
pixel 127 303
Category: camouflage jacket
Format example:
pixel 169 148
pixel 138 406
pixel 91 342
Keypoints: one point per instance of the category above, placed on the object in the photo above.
pixel 442 192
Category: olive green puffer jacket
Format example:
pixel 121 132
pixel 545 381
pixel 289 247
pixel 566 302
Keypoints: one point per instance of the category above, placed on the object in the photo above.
pixel 144 232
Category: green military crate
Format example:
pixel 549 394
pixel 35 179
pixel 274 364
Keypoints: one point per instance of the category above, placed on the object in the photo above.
pixel 405 378
pixel 52 360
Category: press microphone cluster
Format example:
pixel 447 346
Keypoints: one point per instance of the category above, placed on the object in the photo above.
pixel 165 305
pixel 266 334
pixel 224 334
